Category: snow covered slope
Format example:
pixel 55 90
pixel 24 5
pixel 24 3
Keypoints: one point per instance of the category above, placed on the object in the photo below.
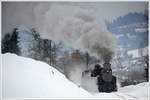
pixel 136 91
pixel 28 78
pixel 24 77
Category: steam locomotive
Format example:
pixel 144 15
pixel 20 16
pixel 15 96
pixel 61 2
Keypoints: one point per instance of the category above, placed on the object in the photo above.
pixel 105 80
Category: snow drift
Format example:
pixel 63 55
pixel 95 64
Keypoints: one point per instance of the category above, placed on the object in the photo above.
pixel 27 78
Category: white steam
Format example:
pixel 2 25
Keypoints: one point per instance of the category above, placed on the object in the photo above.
pixel 82 30
pixel 76 26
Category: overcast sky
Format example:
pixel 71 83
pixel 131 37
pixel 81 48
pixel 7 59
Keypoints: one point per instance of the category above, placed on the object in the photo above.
pixel 16 14
pixel 113 10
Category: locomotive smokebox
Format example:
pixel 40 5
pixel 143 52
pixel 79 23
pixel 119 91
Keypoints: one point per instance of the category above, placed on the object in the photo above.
pixel 107 65
pixel 107 72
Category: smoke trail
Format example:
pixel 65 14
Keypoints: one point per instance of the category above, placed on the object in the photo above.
pixel 76 26
pixel 84 31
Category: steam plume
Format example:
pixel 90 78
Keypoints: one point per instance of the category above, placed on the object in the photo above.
pixel 76 26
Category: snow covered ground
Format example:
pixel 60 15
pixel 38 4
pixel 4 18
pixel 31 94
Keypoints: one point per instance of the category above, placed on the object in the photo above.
pixel 28 78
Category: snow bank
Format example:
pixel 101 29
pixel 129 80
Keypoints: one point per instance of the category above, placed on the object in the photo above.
pixel 138 91
pixel 134 92
pixel 27 78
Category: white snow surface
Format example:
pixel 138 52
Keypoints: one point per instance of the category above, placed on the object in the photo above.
pixel 28 78
pixel 139 52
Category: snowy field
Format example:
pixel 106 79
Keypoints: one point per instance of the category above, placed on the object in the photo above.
pixel 28 78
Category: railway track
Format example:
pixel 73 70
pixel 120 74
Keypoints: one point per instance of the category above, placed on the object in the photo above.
pixel 125 96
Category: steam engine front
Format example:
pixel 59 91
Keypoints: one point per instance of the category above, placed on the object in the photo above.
pixel 105 80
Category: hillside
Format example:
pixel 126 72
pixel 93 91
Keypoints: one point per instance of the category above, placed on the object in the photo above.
pixel 28 78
